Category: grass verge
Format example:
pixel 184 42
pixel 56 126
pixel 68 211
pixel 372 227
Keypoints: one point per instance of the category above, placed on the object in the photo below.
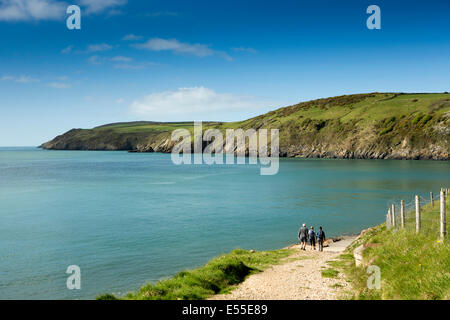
pixel 413 266
pixel 219 275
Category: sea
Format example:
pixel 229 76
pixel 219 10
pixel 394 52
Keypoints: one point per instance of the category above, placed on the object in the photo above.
pixel 126 219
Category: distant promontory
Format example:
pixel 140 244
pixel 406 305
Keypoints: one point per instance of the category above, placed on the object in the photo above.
pixel 361 126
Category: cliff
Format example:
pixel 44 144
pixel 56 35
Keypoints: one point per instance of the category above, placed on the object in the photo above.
pixel 368 126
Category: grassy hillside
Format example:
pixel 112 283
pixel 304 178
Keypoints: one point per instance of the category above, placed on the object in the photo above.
pixel 412 266
pixel 376 125
pixel 217 276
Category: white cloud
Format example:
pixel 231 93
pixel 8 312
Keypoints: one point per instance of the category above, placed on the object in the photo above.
pixel 188 102
pixel 158 44
pixel 121 59
pixel 131 37
pixel 120 62
pixel 244 49
pixel 20 79
pixel 97 6
pixel 67 49
pixel 127 66
pixel 26 79
pixel 95 60
pixel 120 100
pixel 134 66
pixel 99 47
pixel 196 49
pixel 27 10
pixel 114 13
pixel 59 85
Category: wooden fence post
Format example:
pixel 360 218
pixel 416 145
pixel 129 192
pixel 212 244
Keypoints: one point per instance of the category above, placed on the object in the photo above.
pixel 417 214
pixel 443 217
pixel 402 213
pixel 389 218
pixel 431 198
pixel 393 215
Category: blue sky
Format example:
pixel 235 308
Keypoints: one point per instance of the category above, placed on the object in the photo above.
pixel 205 60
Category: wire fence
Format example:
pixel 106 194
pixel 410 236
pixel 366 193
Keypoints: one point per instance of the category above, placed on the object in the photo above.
pixel 408 214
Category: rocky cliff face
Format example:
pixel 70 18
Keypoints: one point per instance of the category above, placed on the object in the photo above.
pixel 433 153
pixel 369 126
pixel 109 140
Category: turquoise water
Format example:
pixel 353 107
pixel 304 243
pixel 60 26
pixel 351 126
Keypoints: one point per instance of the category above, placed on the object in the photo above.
pixel 128 218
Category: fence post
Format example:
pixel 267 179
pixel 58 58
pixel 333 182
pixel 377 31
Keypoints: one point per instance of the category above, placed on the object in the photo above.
pixel 443 217
pixel 431 198
pixel 393 215
pixel 402 213
pixel 389 217
pixel 417 214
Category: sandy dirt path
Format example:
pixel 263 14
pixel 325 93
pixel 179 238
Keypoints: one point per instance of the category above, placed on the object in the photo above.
pixel 299 278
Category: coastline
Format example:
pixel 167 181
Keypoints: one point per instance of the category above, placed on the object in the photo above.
pixel 312 154
pixel 339 272
pixel 285 258
pixel 358 126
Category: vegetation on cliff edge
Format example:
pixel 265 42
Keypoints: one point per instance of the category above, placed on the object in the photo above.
pixel 217 276
pixel 374 125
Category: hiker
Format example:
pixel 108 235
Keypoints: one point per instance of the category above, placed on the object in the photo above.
pixel 303 236
pixel 312 238
pixel 320 238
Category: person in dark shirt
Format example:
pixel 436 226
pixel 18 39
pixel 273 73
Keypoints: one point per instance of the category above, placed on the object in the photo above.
pixel 312 238
pixel 320 238
pixel 303 236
